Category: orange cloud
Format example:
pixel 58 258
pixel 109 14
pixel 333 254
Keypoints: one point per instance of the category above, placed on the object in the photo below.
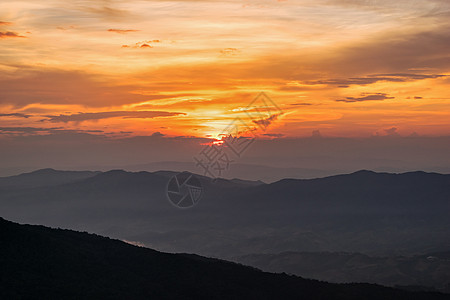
pixel 143 44
pixel 230 51
pixel 66 28
pixel 122 31
pixel 10 34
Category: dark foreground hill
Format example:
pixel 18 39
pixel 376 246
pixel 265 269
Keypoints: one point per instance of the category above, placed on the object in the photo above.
pixel 42 263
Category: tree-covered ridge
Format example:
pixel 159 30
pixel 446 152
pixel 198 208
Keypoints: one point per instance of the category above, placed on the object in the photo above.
pixel 42 263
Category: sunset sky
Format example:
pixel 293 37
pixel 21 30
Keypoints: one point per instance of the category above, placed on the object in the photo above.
pixel 344 68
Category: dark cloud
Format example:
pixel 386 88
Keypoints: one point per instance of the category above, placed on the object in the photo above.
pixel 370 79
pixel 19 115
pixel 10 34
pixel 391 131
pixel 122 31
pixel 409 75
pixel 80 117
pixel 2 23
pixel 43 130
pixel 264 123
pixel 157 134
pixel 25 129
pixel 316 134
pixel 366 97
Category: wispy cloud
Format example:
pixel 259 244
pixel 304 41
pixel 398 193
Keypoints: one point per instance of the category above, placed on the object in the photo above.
pixel 366 97
pixel 122 31
pixel 80 117
pixel 42 130
pixel 371 79
pixel 264 123
pixel 10 34
pixel 23 129
pixel 143 44
pixel 19 115
pixel 230 51
pixel 107 12
pixel 301 104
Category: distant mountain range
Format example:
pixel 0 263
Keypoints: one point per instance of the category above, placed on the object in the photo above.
pixel 378 214
pixel 237 170
pixel 42 263
pixel 43 177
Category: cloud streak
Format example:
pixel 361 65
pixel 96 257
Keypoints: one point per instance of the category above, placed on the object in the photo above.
pixel 80 117
pixel 365 97
pixel 18 115
pixel 122 31
pixel 10 34
pixel 24 129
pixel 42 130
pixel 264 123
pixel 142 44
pixel 371 79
